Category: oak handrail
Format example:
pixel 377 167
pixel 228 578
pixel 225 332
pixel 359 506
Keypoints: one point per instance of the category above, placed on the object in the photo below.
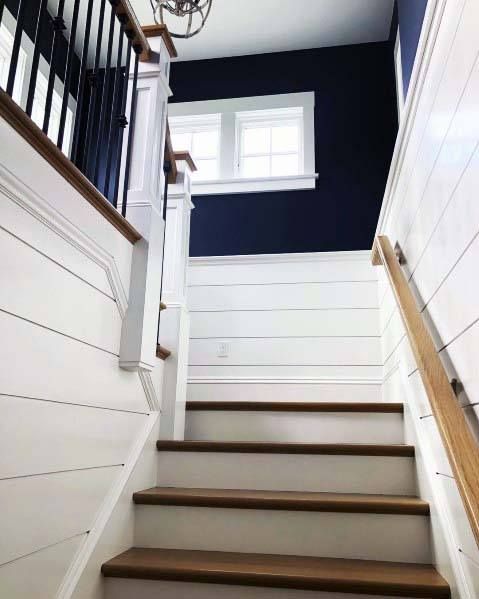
pixel 138 37
pixel 460 445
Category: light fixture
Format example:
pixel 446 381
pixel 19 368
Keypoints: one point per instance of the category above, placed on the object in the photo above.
pixel 194 13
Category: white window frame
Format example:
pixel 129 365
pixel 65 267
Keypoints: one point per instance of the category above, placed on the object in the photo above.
pixel 232 110
pixel 269 119
pixel 196 124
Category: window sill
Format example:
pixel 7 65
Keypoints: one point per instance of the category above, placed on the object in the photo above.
pixel 230 186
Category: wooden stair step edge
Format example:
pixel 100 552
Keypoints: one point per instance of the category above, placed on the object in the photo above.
pixel 295 406
pixel 362 449
pixel 280 571
pixel 162 352
pixel 283 500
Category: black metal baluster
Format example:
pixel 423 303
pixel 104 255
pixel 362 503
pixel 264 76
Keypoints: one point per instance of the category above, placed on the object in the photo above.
pixel 113 128
pixel 58 26
pixel 93 81
pixel 82 81
pixel 122 120
pixel 104 95
pixel 137 49
pixel 16 46
pixel 166 170
pixel 2 6
pixel 68 74
pixel 36 57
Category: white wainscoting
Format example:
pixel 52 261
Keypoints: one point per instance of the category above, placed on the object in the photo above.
pixel 71 420
pixel 297 327
pixel 431 210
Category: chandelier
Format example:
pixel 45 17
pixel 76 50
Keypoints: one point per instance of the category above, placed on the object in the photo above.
pixel 193 12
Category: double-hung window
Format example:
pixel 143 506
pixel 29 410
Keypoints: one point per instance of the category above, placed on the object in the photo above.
pixel 270 143
pixel 260 143
pixel 200 136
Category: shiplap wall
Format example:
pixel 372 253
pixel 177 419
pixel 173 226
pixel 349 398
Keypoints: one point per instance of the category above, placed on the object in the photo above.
pixel 432 210
pixel 69 416
pixel 297 326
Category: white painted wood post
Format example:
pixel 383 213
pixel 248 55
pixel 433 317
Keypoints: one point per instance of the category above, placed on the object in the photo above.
pixel 144 209
pixel 175 320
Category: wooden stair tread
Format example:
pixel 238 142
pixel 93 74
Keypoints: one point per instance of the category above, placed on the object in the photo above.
pixel 280 571
pixel 287 448
pixel 162 352
pixel 294 406
pixel 283 500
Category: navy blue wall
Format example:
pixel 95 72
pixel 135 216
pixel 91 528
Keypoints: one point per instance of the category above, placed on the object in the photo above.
pixel 355 125
pixel 410 18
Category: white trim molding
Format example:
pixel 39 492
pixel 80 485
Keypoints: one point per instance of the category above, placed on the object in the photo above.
pixel 251 185
pixel 72 577
pixel 357 255
pixel 425 48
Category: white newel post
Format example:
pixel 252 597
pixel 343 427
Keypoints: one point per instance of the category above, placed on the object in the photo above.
pixel 175 320
pixel 144 211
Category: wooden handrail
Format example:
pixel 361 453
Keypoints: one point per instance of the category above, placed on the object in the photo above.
pixel 460 445
pixel 139 38
pixel 161 31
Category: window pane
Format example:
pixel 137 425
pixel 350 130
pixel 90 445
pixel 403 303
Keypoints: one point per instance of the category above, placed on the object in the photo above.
pixel 256 140
pixel 181 141
pixel 207 170
pixel 205 144
pixel 284 165
pixel 255 167
pixel 285 139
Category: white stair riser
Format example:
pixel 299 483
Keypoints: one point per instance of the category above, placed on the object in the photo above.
pixel 286 472
pixel 389 537
pixel 122 588
pixel 307 427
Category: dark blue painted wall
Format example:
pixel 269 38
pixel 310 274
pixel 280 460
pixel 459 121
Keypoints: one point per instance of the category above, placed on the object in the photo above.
pixel 410 18
pixel 355 125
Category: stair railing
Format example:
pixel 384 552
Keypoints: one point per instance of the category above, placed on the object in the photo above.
pixel 75 107
pixel 460 445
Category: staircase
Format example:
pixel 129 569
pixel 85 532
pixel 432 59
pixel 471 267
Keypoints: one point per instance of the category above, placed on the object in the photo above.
pixel 251 505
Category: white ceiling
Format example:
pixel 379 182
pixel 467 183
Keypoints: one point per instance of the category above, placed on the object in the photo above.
pixel 237 27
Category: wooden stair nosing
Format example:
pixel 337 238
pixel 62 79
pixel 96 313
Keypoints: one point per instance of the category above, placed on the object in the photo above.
pixel 362 449
pixel 280 571
pixel 295 406
pixel 283 500
pixel 162 352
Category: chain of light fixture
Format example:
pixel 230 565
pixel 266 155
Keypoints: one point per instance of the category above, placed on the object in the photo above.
pixel 194 11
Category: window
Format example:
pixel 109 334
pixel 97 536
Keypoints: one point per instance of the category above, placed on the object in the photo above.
pixel 6 47
pixel 38 112
pixel 200 136
pixel 270 143
pixel 261 143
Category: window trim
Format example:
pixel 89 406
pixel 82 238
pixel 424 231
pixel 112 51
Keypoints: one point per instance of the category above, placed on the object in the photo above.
pixel 230 111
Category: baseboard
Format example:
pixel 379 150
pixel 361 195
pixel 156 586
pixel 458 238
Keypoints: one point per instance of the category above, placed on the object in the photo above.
pixel 113 498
